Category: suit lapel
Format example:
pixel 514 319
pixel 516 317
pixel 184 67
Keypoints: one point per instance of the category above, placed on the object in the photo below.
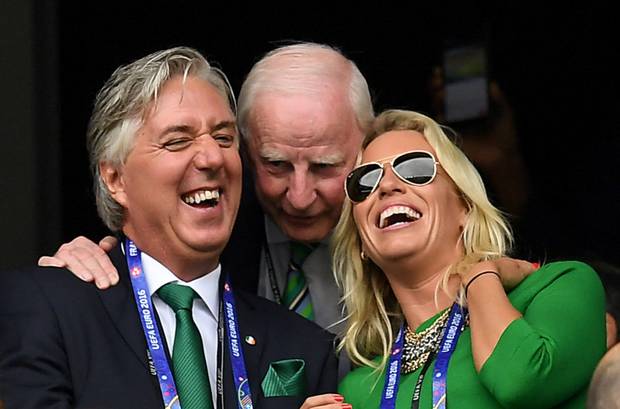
pixel 120 304
pixel 253 340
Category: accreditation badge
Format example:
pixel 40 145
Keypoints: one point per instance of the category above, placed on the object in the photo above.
pixel 245 399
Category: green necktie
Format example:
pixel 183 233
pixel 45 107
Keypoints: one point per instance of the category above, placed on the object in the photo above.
pixel 190 367
pixel 296 295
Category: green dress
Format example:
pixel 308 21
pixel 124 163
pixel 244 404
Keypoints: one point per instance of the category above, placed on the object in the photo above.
pixel 543 360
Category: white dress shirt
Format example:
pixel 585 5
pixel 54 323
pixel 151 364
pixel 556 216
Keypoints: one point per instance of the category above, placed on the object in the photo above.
pixel 204 310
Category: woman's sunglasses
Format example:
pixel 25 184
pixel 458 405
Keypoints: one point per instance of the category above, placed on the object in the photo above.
pixel 417 168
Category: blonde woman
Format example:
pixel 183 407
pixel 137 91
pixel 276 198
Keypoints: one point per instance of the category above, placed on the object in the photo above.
pixel 419 253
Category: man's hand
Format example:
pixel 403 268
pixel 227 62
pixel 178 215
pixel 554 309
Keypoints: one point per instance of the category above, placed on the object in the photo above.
pixel 86 260
pixel 512 271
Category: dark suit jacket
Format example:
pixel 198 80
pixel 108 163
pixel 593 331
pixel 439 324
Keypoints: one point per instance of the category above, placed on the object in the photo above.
pixel 64 343
pixel 243 252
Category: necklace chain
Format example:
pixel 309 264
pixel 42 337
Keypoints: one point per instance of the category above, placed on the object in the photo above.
pixel 418 346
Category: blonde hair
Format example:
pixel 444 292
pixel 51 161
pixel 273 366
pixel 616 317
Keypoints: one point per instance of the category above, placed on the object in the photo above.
pixel 373 313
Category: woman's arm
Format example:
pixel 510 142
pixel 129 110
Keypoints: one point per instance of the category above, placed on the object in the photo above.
pixel 490 310
pixel 547 355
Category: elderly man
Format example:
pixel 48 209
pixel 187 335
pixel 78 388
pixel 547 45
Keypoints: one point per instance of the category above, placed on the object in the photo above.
pixel 163 147
pixel 303 110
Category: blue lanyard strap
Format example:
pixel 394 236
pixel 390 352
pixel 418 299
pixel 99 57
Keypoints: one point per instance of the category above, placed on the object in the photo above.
pixel 242 384
pixel 392 374
pixel 456 320
pixel 149 326
pixel 156 344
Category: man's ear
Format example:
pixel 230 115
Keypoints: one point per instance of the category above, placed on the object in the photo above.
pixel 112 176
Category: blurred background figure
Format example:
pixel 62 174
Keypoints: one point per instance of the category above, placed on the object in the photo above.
pixel 604 391
pixel 491 142
pixel 493 146
pixel 610 276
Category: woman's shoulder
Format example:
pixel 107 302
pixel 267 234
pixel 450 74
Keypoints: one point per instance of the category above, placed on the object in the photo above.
pixel 568 266
pixel 567 274
pixel 570 270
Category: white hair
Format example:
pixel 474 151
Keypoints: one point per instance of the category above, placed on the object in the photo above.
pixel 305 69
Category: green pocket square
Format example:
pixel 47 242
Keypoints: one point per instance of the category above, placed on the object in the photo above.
pixel 285 378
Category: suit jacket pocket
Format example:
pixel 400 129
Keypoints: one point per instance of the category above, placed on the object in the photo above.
pixel 285 378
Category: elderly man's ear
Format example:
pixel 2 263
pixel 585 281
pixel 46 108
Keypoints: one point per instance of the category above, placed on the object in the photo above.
pixel 113 178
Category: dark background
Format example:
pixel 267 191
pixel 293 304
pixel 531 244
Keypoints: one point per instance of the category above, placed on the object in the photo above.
pixel 558 69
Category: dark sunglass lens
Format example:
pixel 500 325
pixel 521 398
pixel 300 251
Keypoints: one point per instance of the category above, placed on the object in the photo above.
pixel 415 167
pixel 361 181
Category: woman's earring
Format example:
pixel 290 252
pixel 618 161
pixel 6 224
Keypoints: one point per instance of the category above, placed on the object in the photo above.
pixel 363 256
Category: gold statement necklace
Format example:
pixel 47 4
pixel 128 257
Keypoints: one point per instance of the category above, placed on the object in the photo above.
pixel 419 346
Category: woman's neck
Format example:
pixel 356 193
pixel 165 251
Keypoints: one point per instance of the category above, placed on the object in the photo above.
pixel 420 296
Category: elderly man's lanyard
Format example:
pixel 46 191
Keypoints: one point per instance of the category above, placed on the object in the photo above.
pixel 155 344
pixel 456 321
pixel 271 272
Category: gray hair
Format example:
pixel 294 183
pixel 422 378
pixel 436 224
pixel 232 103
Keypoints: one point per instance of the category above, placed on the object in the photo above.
pixel 122 105
pixel 305 68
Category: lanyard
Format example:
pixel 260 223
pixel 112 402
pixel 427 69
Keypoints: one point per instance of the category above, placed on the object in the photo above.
pixel 271 272
pixel 155 343
pixel 392 374
pixel 446 349
pixel 240 376
pixel 415 398
pixel 149 326
pixel 456 320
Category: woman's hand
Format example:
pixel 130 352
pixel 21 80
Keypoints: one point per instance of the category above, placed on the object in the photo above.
pixel 326 401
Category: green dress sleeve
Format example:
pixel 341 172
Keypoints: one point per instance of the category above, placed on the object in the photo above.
pixel 362 388
pixel 545 357
pixel 348 388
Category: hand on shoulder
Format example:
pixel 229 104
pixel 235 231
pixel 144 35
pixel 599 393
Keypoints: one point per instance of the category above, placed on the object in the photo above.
pixel 87 260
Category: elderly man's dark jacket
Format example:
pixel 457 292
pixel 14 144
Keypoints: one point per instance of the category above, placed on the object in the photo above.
pixel 66 344
pixel 242 255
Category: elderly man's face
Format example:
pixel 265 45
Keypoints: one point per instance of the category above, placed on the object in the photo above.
pixel 302 148
pixel 181 183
